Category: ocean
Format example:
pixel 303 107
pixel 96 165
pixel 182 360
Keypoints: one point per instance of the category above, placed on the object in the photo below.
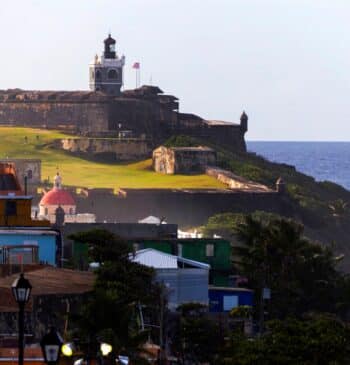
pixel 322 160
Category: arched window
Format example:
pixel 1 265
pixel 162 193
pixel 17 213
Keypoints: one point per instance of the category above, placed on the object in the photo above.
pixel 70 210
pixel 112 74
pixel 30 174
pixel 98 75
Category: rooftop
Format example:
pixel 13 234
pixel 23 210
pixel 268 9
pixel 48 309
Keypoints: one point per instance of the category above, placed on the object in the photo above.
pixel 219 123
pixel 160 260
pixel 47 280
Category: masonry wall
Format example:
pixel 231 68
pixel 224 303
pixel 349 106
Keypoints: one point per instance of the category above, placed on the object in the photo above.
pixel 68 116
pixel 184 207
pixel 228 136
pixel 142 117
pixel 114 148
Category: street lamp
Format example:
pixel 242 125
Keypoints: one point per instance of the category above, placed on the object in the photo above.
pixel 21 289
pixel 51 345
pixel 105 348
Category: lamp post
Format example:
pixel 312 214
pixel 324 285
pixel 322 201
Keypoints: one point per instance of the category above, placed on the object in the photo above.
pixel 51 345
pixel 21 289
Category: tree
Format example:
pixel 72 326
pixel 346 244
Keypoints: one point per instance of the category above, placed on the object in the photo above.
pixel 301 274
pixel 314 340
pixel 120 287
pixel 223 224
pixel 197 339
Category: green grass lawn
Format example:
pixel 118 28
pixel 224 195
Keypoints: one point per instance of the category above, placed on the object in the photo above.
pixel 80 172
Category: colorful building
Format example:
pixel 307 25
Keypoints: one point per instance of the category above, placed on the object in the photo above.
pixel 23 240
pixel 212 251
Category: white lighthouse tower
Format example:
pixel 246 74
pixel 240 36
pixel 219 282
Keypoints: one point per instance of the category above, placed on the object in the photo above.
pixel 106 72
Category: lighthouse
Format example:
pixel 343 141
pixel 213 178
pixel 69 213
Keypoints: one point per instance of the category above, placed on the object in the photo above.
pixel 106 71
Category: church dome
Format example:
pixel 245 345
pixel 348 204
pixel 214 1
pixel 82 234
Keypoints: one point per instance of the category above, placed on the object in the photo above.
pixel 57 197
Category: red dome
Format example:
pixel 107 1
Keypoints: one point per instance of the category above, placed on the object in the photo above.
pixel 57 197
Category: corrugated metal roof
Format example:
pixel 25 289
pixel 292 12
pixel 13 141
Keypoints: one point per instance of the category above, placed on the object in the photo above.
pixel 160 260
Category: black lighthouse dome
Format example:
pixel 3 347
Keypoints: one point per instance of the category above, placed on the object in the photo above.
pixel 109 47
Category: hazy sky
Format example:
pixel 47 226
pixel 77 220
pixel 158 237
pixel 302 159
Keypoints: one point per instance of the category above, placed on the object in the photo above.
pixel 286 62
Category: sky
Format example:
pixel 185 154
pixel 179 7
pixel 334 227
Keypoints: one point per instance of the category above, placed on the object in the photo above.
pixel 285 62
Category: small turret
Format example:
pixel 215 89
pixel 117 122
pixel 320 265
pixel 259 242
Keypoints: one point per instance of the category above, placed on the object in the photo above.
pixel 109 51
pixel 244 122
pixel 281 186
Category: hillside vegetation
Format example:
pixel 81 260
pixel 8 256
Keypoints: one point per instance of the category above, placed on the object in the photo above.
pixel 36 143
pixel 323 207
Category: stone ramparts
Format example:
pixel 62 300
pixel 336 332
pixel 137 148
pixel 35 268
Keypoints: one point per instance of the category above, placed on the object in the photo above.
pixel 117 149
pixel 236 182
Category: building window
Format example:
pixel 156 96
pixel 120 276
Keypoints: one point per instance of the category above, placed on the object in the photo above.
pixel 179 249
pixel 98 75
pixel 70 210
pixel 209 250
pixel 46 211
pixel 10 208
pixel 29 174
pixel 112 74
pixel 229 302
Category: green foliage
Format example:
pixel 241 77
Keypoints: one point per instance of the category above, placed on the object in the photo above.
pixel 197 339
pixel 319 340
pixel 181 141
pixel 242 311
pixel 120 287
pixel 301 274
pixel 224 224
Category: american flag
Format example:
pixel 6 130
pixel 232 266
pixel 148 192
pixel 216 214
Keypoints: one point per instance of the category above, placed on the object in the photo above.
pixel 136 65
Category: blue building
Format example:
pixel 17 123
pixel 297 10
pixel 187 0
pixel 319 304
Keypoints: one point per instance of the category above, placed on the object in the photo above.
pixel 29 246
pixel 223 299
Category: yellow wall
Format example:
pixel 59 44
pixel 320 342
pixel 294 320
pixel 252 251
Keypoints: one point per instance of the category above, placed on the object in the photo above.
pixel 22 216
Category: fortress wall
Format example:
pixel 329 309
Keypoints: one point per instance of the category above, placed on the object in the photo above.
pixel 118 149
pixel 228 136
pixel 69 116
pixel 186 208
pixel 232 137
pixel 142 117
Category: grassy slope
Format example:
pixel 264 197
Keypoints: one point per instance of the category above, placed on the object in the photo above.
pixel 80 172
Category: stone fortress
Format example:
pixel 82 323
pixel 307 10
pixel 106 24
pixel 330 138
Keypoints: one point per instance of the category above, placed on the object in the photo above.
pixel 107 121
pixel 146 116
